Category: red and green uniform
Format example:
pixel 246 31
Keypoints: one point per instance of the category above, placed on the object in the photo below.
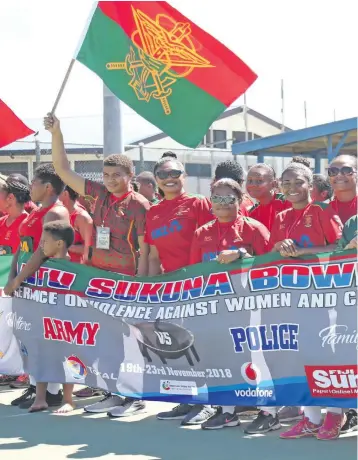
pixel 266 213
pixel 171 225
pixel 30 231
pixel 214 237
pixel 9 234
pixel 344 209
pixel 163 66
pixel 350 231
pixel 315 225
pixel 125 216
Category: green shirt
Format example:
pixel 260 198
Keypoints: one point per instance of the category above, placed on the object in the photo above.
pixel 349 232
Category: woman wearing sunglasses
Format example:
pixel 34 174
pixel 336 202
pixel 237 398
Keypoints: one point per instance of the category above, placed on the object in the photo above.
pixel 342 174
pixel 231 235
pixel 308 227
pixel 171 223
pixel 170 228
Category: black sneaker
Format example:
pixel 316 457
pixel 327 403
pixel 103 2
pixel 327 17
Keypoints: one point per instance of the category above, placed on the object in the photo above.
pixel 129 407
pixel 351 422
pixel 198 415
pixel 27 395
pixel 108 403
pixel 52 400
pixel 177 413
pixel 221 420
pixel 263 423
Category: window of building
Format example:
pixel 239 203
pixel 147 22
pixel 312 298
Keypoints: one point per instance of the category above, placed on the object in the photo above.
pixel 240 136
pixel 198 169
pixel 219 136
pixel 11 168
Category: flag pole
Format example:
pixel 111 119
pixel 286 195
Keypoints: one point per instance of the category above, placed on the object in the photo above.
pixel 305 110
pixel 65 80
pixel 73 60
pixel 245 119
pixel 282 108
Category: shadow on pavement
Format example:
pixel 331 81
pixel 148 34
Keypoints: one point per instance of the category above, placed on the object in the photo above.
pixel 163 440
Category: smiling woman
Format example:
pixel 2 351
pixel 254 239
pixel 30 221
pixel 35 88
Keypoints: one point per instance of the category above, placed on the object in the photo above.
pixel 171 223
pixel 342 174
pixel 308 227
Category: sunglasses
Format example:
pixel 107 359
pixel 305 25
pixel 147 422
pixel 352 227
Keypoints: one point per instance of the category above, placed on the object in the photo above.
pixel 173 173
pixel 345 171
pixel 228 199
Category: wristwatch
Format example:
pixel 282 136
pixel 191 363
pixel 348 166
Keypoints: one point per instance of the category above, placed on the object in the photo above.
pixel 241 253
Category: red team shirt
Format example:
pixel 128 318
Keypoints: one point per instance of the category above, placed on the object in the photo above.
pixel 315 225
pixel 266 213
pixel 30 230
pixel 171 225
pixel 125 216
pixel 214 237
pixel 344 209
pixel 9 235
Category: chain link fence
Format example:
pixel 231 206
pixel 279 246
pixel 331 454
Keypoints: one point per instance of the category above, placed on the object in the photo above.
pixel 199 163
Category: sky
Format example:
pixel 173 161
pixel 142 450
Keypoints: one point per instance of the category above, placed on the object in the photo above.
pixel 308 43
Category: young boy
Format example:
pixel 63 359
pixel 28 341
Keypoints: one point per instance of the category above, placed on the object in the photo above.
pixel 57 237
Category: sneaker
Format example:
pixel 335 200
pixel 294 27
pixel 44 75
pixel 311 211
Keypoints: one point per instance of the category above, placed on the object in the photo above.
pixel 331 427
pixel 28 394
pixel 106 404
pixel 177 413
pixel 6 379
pixel 88 392
pixel 51 399
pixel 302 429
pixel 289 413
pixel 221 420
pixel 263 423
pixel 21 382
pixel 198 415
pixel 351 422
pixel 128 408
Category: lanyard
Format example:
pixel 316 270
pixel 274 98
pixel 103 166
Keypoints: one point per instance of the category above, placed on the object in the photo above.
pixel 120 199
pixel 296 221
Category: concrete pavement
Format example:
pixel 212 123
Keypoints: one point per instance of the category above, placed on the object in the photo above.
pixel 84 436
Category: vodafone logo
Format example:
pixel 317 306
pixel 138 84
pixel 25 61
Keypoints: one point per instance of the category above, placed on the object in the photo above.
pixel 333 381
pixel 251 373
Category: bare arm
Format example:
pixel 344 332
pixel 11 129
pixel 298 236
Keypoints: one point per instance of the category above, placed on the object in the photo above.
pixel 37 259
pixel 83 225
pixel 316 249
pixel 154 262
pixel 59 157
pixel 143 257
pixel 13 268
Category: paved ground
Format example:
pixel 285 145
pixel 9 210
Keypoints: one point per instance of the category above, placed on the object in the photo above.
pixel 83 436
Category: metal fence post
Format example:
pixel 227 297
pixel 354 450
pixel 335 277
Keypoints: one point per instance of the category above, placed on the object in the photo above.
pixel 141 156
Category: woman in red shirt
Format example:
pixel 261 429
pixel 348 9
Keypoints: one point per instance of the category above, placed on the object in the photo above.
pixel 13 197
pixel 308 227
pixel 231 235
pixel 170 227
pixel 170 224
pixel 342 173
pixel 261 184
pixel 14 194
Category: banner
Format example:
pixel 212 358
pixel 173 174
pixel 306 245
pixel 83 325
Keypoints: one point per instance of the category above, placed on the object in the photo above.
pixel 265 331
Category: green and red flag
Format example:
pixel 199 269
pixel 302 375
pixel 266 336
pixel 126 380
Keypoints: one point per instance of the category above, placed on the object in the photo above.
pixel 11 127
pixel 163 66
